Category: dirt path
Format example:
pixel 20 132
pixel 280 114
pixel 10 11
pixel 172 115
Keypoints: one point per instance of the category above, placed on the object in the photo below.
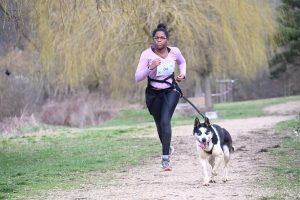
pixel 185 181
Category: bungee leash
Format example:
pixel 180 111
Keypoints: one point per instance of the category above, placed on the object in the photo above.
pixel 182 96
pixel 193 106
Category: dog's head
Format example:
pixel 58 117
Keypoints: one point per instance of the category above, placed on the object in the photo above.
pixel 204 133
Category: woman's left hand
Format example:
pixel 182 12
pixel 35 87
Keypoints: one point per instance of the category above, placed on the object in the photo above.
pixel 180 77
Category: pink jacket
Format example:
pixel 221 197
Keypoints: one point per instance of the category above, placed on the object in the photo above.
pixel 146 59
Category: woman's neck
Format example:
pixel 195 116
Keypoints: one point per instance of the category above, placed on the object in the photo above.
pixel 162 52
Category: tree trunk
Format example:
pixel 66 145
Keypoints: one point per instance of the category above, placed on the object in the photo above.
pixel 198 89
pixel 207 91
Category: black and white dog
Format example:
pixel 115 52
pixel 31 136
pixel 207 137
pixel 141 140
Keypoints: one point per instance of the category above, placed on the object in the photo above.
pixel 214 143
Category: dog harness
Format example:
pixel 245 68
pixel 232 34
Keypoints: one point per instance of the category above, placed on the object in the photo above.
pixel 210 152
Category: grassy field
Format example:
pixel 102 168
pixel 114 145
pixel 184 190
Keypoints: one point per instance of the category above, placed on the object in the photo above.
pixel 66 158
pixel 284 177
pixel 232 110
pixel 30 164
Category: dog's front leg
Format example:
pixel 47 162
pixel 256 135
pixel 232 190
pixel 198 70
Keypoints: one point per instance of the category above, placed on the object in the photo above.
pixel 216 167
pixel 204 168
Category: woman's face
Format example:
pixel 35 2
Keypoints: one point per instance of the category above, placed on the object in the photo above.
pixel 160 40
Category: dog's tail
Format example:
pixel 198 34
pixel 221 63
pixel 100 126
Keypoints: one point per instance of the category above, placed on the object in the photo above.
pixel 232 149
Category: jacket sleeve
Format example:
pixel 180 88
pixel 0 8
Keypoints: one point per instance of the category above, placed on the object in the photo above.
pixel 181 62
pixel 142 70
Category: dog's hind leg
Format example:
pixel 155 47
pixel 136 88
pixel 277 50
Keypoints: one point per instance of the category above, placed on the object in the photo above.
pixel 226 159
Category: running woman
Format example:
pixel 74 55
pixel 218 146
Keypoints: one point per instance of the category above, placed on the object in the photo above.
pixel 157 64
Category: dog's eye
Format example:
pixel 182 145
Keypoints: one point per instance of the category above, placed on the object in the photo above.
pixel 196 131
pixel 207 132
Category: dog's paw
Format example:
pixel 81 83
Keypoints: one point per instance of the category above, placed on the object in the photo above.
pixel 212 181
pixel 225 179
pixel 205 184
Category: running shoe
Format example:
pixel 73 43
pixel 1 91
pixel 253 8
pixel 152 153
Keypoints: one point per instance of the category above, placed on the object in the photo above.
pixel 166 164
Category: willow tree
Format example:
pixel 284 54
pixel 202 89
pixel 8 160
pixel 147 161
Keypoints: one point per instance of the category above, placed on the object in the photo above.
pixel 74 44
pixel 79 43
pixel 217 37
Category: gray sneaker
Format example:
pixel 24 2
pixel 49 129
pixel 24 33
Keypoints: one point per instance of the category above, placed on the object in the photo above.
pixel 166 164
pixel 171 150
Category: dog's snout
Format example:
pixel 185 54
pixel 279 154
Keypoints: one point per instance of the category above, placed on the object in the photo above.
pixel 203 139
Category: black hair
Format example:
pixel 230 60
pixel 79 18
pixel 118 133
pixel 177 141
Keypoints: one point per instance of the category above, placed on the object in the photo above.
pixel 161 27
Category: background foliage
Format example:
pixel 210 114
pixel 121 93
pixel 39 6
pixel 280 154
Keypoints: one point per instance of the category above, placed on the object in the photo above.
pixel 287 59
pixel 55 50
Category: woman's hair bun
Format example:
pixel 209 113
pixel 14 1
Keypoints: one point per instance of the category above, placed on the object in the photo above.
pixel 161 25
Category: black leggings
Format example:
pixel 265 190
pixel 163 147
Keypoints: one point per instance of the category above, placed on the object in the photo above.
pixel 162 110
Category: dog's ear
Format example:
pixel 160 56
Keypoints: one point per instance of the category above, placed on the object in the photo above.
pixel 207 121
pixel 197 122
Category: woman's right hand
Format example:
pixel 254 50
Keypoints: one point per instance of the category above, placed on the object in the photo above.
pixel 155 63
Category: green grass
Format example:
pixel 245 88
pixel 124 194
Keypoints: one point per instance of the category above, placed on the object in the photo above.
pixel 31 164
pixel 285 173
pixel 130 117
pixel 233 110
pixel 247 109
pixel 67 158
